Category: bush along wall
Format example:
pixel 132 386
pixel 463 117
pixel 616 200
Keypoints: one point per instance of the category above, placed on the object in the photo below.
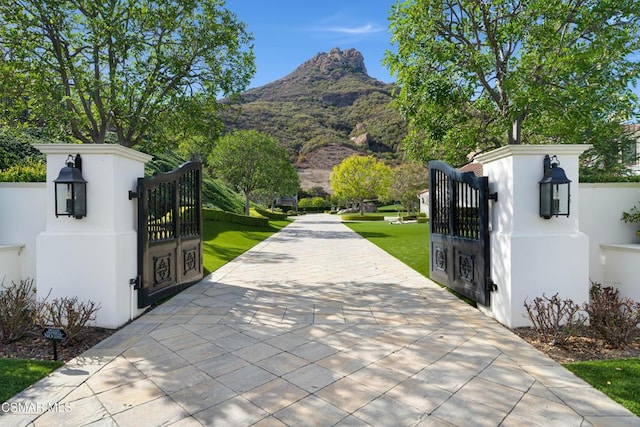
pixel 271 215
pixel 223 216
pixel 30 171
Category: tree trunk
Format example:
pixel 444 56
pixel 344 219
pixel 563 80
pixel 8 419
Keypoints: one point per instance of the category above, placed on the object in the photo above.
pixel 514 134
pixel 246 203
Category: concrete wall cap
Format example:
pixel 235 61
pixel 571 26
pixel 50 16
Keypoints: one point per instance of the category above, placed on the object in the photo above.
pixel 113 149
pixel 532 150
pixel 23 185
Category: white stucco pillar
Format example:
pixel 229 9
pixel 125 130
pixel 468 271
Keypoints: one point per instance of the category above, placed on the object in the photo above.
pixel 94 257
pixel 530 255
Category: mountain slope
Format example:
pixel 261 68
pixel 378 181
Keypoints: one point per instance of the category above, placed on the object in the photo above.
pixel 324 111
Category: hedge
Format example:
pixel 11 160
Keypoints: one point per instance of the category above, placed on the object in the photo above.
pixel 223 216
pixel 421 218
pixel 358 217
pixel 603 177
pixel 271 215
pixel 29 171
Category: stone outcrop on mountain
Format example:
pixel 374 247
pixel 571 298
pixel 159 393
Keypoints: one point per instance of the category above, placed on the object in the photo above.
pixel 325 110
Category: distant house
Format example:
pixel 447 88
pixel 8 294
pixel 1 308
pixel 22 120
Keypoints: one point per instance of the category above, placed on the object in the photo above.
pixel 288 202
pixel 424 202
pixel 474 167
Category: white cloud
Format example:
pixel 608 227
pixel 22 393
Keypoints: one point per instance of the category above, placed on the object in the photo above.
pixel 364 29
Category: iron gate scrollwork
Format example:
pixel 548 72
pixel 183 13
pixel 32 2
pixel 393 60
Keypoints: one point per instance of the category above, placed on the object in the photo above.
pixel 459 231
pixel 169 233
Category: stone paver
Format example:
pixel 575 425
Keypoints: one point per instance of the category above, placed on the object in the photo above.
pixel 313 326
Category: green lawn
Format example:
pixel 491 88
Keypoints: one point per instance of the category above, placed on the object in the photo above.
pixel 18 374
pixel 617 378
pixel 224 241
pixel 407 242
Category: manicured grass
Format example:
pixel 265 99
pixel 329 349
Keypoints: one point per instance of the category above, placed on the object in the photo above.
pixel 18 374
pixel 617 378
pixel 407 242
pixel 223 241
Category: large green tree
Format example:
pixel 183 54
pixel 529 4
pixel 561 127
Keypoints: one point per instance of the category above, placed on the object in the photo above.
pixel 407 181
pixel 358 178
pixel 250 161
pixel 475 74
pixel 118 70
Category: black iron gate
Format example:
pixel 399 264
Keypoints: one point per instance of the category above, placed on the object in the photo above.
pixel 459 227
pixel 169 232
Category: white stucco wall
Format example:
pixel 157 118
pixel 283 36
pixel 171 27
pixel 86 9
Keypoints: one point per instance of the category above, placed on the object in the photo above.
pixel 601 206
pixel 532 256
pixel 94 258
pixel 22 218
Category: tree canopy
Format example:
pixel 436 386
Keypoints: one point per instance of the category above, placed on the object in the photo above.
pixel 408 180
pixel 118 71
pixel 250 161
pixel 359 178
pixel 476 74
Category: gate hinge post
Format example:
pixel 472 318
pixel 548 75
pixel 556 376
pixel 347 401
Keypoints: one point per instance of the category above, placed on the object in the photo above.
pixel 493 196
pixel 133 195
pixel 136 282
pixel 491 285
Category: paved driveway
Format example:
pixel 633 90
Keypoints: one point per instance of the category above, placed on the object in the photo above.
pixel 314 327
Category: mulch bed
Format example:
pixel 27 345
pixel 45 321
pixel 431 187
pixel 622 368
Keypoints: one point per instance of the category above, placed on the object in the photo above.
pixel 580 348
pixel 34 346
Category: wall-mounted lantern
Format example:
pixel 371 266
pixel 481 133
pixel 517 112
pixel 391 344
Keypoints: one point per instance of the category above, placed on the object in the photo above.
pixel 555 195
pixel 71 189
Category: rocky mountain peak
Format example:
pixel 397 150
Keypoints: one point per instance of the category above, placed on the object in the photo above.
pixel 342 61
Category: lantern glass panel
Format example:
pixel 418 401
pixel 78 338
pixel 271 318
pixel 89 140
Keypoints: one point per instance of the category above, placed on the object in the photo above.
pixel 561 199
pixel 80 200
pixel 64 199
pixel 545 200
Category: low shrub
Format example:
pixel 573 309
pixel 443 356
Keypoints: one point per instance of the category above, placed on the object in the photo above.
pixel 587 176
pixel 613 318
pixel 271 215
pixel 29 171
pixel 67 313
pixel 554 319
pixel 17 308
pixel 358 217
pixel 253 213
pixel 223 216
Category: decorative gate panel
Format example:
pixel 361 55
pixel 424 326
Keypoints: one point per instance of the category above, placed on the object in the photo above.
pixel 459 231
pixel 169 233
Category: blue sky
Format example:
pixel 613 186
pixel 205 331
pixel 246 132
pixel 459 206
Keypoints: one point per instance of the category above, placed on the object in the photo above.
pixel 289 32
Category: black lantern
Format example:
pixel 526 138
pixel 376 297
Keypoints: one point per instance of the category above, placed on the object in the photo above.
pixel 554 189
pixel 71 189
